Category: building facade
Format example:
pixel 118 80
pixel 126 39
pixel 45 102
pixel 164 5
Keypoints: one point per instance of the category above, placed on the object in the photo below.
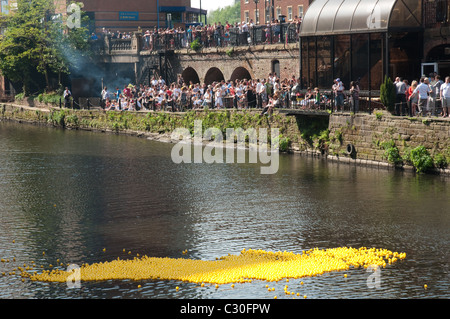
pixel 264 11
pixel 367 40
pixel 128 16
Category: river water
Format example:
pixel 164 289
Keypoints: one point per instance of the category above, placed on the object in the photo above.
pixel 84 197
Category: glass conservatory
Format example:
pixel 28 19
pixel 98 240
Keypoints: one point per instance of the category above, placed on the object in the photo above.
pixel 360 40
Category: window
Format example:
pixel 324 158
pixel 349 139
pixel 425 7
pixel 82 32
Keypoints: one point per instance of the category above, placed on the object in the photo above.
pixel 276 67
pixel 257 16
pixel 300 12
pixel 267 14
pixel 289 13
pixel 4 7
pixel 246 1
pixel 278 13
pixel 246 16
pixel 442 10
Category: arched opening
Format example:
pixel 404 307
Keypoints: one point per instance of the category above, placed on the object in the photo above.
pixel 240 74
pixel 213 75
pixel 276 67
pixel 189 74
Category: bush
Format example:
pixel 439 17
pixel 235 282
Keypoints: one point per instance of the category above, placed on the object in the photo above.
pixel 196 45
pixel 440 161
pixel 391 152
pixel 49 98
pixel 282 143
pixel 421 159
pixel 388 94
pixel 20 96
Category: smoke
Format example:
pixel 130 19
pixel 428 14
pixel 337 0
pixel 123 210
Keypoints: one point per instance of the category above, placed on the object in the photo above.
pixel 88 75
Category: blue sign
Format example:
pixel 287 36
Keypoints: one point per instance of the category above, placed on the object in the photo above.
pixel 129 16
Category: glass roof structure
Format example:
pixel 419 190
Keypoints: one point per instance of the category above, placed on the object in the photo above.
pixel 329 17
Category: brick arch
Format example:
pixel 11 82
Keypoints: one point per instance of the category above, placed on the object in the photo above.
pixel 212 75
pixel 240 73
pixel 189 74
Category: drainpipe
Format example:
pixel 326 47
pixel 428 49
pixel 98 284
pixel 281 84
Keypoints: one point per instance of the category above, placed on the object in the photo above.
pixel 157 12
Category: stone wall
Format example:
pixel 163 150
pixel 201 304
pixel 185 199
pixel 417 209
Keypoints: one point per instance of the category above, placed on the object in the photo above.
pixel 367 133
pixel 314 136
pixel 256 60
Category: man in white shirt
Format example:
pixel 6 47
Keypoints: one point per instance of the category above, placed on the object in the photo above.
pixel 423 89
pixel 445 97
pixel 258 94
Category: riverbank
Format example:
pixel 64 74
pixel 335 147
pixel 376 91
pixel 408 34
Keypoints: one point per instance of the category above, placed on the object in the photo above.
pixel 373 140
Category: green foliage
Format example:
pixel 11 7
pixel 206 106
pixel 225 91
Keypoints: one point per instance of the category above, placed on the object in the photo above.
pixel 230 52
pixel 57 118
pixel 196 45
pixel 20 96
pixel 283 143
pixel 391 152
pixel 230 13
pixel 36 44
pixel 387 94
pixel 420 158
pixel 378 115
pixel 49 98
pixel 440 161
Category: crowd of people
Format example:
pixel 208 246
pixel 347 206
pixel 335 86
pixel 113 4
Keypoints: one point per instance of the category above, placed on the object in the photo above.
pixel 211 35
pixel 266 94
pixel 423 97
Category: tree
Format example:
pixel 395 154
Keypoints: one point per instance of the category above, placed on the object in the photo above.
pixel 230 13
pixel 36 43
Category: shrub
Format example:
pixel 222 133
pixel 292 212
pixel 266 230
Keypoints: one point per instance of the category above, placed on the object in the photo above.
pixel 20 96
pixel 196 45
pixel 388 94
pixel 282 143
pixel 421 159
pixel 440 161
pixel 391 152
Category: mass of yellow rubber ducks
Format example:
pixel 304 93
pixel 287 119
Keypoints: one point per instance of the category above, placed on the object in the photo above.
pixel 247 266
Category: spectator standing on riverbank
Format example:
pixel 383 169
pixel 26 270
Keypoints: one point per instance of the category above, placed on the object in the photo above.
pixel 445 97
pixel 423 90
pixel 354 96
pixel 413 98
pixel 400 102
pixel 338 90
pixel 67 94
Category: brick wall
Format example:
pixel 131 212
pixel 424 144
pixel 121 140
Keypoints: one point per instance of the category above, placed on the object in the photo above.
pixel 248 8
pixel 257 60
pixel 107 13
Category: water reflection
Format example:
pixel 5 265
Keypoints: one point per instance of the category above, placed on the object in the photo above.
pixel 71 194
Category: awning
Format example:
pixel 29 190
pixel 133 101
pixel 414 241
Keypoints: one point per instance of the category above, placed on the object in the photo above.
pixel 328 17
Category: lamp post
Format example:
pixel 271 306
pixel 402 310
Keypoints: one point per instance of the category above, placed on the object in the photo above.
pixel 256 11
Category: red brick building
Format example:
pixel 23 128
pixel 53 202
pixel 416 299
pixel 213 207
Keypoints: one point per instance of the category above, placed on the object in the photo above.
pixel 263 11
pixel 130 15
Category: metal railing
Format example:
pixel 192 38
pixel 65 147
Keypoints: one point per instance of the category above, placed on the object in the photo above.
pixel 282 33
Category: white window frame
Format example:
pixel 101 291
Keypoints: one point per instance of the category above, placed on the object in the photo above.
pixel 300 12
pixel 246 16
pixel 289 13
